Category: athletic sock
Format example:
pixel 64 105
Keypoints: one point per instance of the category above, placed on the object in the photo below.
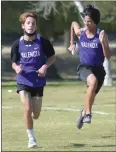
pixel 30 134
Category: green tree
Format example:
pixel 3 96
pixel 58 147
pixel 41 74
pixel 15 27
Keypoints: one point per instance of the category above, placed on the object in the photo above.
pixel 10 12
pixel 57 15
pixel 108 13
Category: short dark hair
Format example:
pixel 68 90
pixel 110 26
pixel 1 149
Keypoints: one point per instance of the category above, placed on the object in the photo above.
pixel 92 12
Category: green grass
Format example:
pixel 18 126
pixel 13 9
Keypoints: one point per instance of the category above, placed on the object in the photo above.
pixel 56 129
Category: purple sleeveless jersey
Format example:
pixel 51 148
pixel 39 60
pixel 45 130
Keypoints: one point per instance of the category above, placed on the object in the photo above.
pixel 90 49
pixel 32 58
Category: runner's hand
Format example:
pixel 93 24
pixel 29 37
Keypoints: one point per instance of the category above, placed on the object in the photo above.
pixel 103 37
pixel 18 68
pixel 42 71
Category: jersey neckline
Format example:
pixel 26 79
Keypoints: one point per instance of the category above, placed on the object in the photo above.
pixel 93 36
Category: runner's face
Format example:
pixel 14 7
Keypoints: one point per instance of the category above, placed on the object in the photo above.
pixel 30 25
pixel 89 24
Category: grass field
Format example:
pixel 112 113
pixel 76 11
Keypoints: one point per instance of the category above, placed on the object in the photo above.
pixel 56 129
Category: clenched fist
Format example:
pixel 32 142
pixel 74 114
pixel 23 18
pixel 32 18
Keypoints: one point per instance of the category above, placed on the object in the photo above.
pixel 18 68
pixel 42 71
pixel 103 37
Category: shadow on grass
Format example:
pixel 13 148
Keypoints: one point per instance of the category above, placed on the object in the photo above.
pixel 74 145
pixel 108 136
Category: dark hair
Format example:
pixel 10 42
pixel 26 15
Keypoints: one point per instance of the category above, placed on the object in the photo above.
pixel 92 12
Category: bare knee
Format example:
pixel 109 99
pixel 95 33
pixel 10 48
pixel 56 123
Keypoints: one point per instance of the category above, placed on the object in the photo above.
pixel 26 100
pixel 27 110
pixel 92 82
pixel 36 104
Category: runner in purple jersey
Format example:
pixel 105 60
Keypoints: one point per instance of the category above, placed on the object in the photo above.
pixel 31 55
pixel 93 47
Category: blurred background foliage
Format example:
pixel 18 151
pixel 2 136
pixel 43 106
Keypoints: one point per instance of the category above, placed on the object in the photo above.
pixel 55 17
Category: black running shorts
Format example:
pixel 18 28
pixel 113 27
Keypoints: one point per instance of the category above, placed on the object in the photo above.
pixel 84 71
pixel 34 91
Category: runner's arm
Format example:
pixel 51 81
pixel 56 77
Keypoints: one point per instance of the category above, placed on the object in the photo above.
pixel 75 30
pixel 105 44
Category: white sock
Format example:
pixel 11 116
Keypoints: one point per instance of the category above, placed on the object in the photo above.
pixel 30 133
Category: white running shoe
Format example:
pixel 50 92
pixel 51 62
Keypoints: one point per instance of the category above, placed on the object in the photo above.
pixel 87 118
pixel 32 143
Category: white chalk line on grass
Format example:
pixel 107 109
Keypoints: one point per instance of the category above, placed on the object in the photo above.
pixel 75 110
pixel 62 109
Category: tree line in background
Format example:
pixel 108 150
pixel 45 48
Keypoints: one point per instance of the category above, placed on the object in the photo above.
pixel 55 17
